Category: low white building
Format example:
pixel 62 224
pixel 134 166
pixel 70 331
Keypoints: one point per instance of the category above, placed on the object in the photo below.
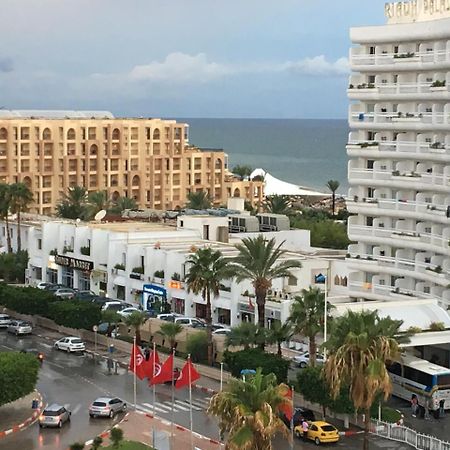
pixel 132 260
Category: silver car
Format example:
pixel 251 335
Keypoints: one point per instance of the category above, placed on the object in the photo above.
pixel 70 344
pixel 54 416
pixel 64 293
pixel 107 407
pixel 18 327
pixel 5 320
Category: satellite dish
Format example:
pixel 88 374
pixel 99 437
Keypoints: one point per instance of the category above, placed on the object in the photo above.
pixel 100 215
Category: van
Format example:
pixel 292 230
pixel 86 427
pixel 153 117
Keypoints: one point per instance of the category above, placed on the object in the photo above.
pixel 190 322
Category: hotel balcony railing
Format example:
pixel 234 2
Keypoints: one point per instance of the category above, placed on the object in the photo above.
pixel 412 147
pixel 426 238
pixel 381 289
pixel 396 88
pixel 358 59
pixel 391 117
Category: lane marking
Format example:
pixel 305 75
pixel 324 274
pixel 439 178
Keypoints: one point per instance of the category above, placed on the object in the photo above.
pixel 151 408
pixel 178 405
pixel 76 409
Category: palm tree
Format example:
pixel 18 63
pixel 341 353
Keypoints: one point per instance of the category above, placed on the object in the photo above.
pixel 123 203
pixel 5 203
pixel 98 201
pixel 246 334
pixel 307 317
pixel 333 186
pixel 258 261
pixel 21 197
pixel 279 333
pixel 359 346
pixel 73 204
pixel 136 319
pixel 278 204
pixel 207 269
pixel 170 331
pixel 242 171
pixel 111 318
pixel 248 411
pixel 198 200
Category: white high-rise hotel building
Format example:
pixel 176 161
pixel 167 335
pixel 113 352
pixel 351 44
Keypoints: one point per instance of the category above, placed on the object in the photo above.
pixel 399 155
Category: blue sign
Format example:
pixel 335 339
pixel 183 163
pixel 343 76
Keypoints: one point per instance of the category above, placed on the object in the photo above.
pixel 153 298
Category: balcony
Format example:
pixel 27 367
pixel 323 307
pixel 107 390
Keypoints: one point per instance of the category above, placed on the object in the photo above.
pixel 399 90
pixel 383 292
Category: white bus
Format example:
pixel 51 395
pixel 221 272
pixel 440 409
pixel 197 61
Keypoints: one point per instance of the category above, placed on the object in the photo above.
pixel 417 376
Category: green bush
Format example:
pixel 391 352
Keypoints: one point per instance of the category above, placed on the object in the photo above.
pixel 254 358
pixel 437 326
pixel 116 436
pixel 75 314
pixel 13 265
pixel 197 346
pixel 18 375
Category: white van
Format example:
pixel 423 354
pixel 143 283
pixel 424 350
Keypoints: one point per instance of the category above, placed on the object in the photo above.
pixel 190 322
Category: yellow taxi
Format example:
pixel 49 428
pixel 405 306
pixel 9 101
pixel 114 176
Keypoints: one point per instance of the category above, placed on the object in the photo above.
pixel 319 432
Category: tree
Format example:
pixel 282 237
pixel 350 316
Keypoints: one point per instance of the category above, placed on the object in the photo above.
pixel 13 266
pixel 248 412
pixel 116 436
pixel 5 203
pixel 98 201
pixel 247 334
pixel 278 204
pixel 97 442
pixel 73 204
pixel 112 319
pixel 197 346
pixel 279 333
pixel 258 261
pixel 170 331
pixel 20 199
pixel 136 319
pixel 307 317
pixel 18 375
pixel 359 346
pixel 207 269
pixel 333 186
pixel 198 200
pixel 123 203
pixel 77 446
pixel 242 171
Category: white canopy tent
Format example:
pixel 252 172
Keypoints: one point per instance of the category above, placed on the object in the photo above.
pixel 275 186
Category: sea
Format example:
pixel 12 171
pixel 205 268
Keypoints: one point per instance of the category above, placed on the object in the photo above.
pixel 304 152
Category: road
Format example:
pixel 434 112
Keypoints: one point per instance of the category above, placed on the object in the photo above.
pixel 76 380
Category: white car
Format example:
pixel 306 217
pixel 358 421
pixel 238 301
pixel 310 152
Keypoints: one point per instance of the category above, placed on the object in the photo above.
pixel 5 320
pixel 222 331
pixel 43 284
pixel 303 360
pixel 190 322
pixel 128 311
pixel 18 327
pixel 70 344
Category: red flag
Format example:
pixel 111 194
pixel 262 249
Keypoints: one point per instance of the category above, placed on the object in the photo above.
pixel 287 408
pixel 163 372
pixel 187 375
pixel 138 358
pixel 152 365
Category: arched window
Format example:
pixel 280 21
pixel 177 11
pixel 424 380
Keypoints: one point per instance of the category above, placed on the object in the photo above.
pixel 71 134
pixel 46 134
pixel 337 280
pixel 218 163
pixel 116 134
pixel 93 150
pixel 156 134
pixel 115 196
pixel 237 193
pixel 3 133
pixel 27 182
pixel 135 181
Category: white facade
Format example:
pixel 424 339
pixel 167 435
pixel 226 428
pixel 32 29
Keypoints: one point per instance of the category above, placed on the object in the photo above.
pixel 107 259
pixel 399 155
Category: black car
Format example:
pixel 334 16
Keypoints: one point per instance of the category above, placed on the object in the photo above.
pixel 299 415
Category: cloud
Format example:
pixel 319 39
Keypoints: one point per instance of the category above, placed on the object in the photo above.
pixel 318 65
pixel 6 65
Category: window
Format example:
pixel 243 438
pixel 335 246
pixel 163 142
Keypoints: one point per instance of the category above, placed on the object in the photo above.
pixel 370 164
pixel 39 244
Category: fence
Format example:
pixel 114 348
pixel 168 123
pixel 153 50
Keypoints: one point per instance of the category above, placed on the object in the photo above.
pixel 404 434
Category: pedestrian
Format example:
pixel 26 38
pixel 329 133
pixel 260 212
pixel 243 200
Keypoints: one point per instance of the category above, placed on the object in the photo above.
pixel 401 421
pixel 305 427
pixel 441 408
pixel 427 408
pixel 414 405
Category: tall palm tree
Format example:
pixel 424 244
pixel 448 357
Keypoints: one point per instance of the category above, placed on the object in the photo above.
pixel 279 333
pixel 307 317
pixel 5 203
pixel 242 171
pixel 21 197
pixel 333 186
pixel 246 334
pixel 136 319
pixel 248 411
pixel 258 261
pixel 123 203
pixel 198 200
pixel 360 344
pixel 207 269
pixel 278 204
pixel 73 204
pixel 98 201
pixel 170 331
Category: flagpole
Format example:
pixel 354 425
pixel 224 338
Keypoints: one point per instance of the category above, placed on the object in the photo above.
pixel 291 426
pixel 173 394
pixel 325 318
pixel 135 370
pixel 221 376
pixel 154 394
pixel 190 402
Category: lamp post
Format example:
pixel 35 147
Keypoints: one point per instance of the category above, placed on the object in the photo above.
pixel 325 318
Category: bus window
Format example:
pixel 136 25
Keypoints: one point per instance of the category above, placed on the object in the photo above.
pixel 444 380
pixel 395 368
pixel 418 376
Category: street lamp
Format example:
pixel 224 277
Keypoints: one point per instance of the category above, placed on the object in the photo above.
pixel 325 319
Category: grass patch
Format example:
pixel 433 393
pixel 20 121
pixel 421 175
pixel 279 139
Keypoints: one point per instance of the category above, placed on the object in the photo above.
pixel 387 414
pixel 129 445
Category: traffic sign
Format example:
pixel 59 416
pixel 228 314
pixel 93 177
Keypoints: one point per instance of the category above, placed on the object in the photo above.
pixel 95 328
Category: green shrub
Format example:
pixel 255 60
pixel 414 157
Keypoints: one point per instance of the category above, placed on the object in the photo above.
pixel 159 273
pixel 116 436
pixel 414 330
pixel 26 300
pixel 119 266
pixel 138 269
pixel 18 375
pixel 75 314
pixel 197 346
pixel 437 326
pixel 254 358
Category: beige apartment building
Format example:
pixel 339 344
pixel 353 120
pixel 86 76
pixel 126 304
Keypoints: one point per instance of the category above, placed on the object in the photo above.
pixel 149 160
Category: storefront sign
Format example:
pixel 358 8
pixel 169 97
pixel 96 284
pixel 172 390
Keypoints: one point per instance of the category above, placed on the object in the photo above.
pixel 417 10
pixel 245 307
pixel 74 263
pixel 175 284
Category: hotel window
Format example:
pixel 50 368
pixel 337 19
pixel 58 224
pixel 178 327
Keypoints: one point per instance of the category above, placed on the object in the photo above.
pixel 39 244
pixel 67 277
pixel 84 281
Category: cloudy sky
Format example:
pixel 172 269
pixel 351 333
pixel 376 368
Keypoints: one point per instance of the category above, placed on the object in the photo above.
pixel 181 58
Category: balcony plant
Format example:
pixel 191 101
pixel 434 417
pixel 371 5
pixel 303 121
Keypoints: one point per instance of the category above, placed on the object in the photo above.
pixel 404 55
pixel 396 173
pixel 159 274
pixel 85 250
pixel 438 83
pixel 67 249
pixel 176 276
pixel 437 145
pixel 437 326
pixel 119 266
pixel 138 269
pixel 54 252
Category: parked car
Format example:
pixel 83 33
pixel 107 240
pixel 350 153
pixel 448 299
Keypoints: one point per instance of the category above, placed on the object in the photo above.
pixel 43 285
pixel 218 326
pixel 115 305
pixel 125 312
pixel 190 322
pixel 18 327
pixel 5 320
pixel 84 295
pixel 70 344
pixel 107 407
pixel 222 331
pixel 54 287
pixel 300 414
pixel 168 317
pixel 64 293
pixel 54 416
pixel 303 359
pixel 319 432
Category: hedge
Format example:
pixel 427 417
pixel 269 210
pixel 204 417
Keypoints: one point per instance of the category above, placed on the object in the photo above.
pixel 32 301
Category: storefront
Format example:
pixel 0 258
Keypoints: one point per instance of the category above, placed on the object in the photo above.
pixel 200 311
pixel 84 281
pixel 247 312
pixel 178 305
pixel 67 276
pixel 224 316
pixel 69 264
pixel 154 299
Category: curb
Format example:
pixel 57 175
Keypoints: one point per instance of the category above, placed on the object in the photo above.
pixel 350 432
pixel 27 422
pixel 105 433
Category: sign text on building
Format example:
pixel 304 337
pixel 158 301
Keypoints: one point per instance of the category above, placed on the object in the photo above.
pixel 416 9
pixel 74 263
